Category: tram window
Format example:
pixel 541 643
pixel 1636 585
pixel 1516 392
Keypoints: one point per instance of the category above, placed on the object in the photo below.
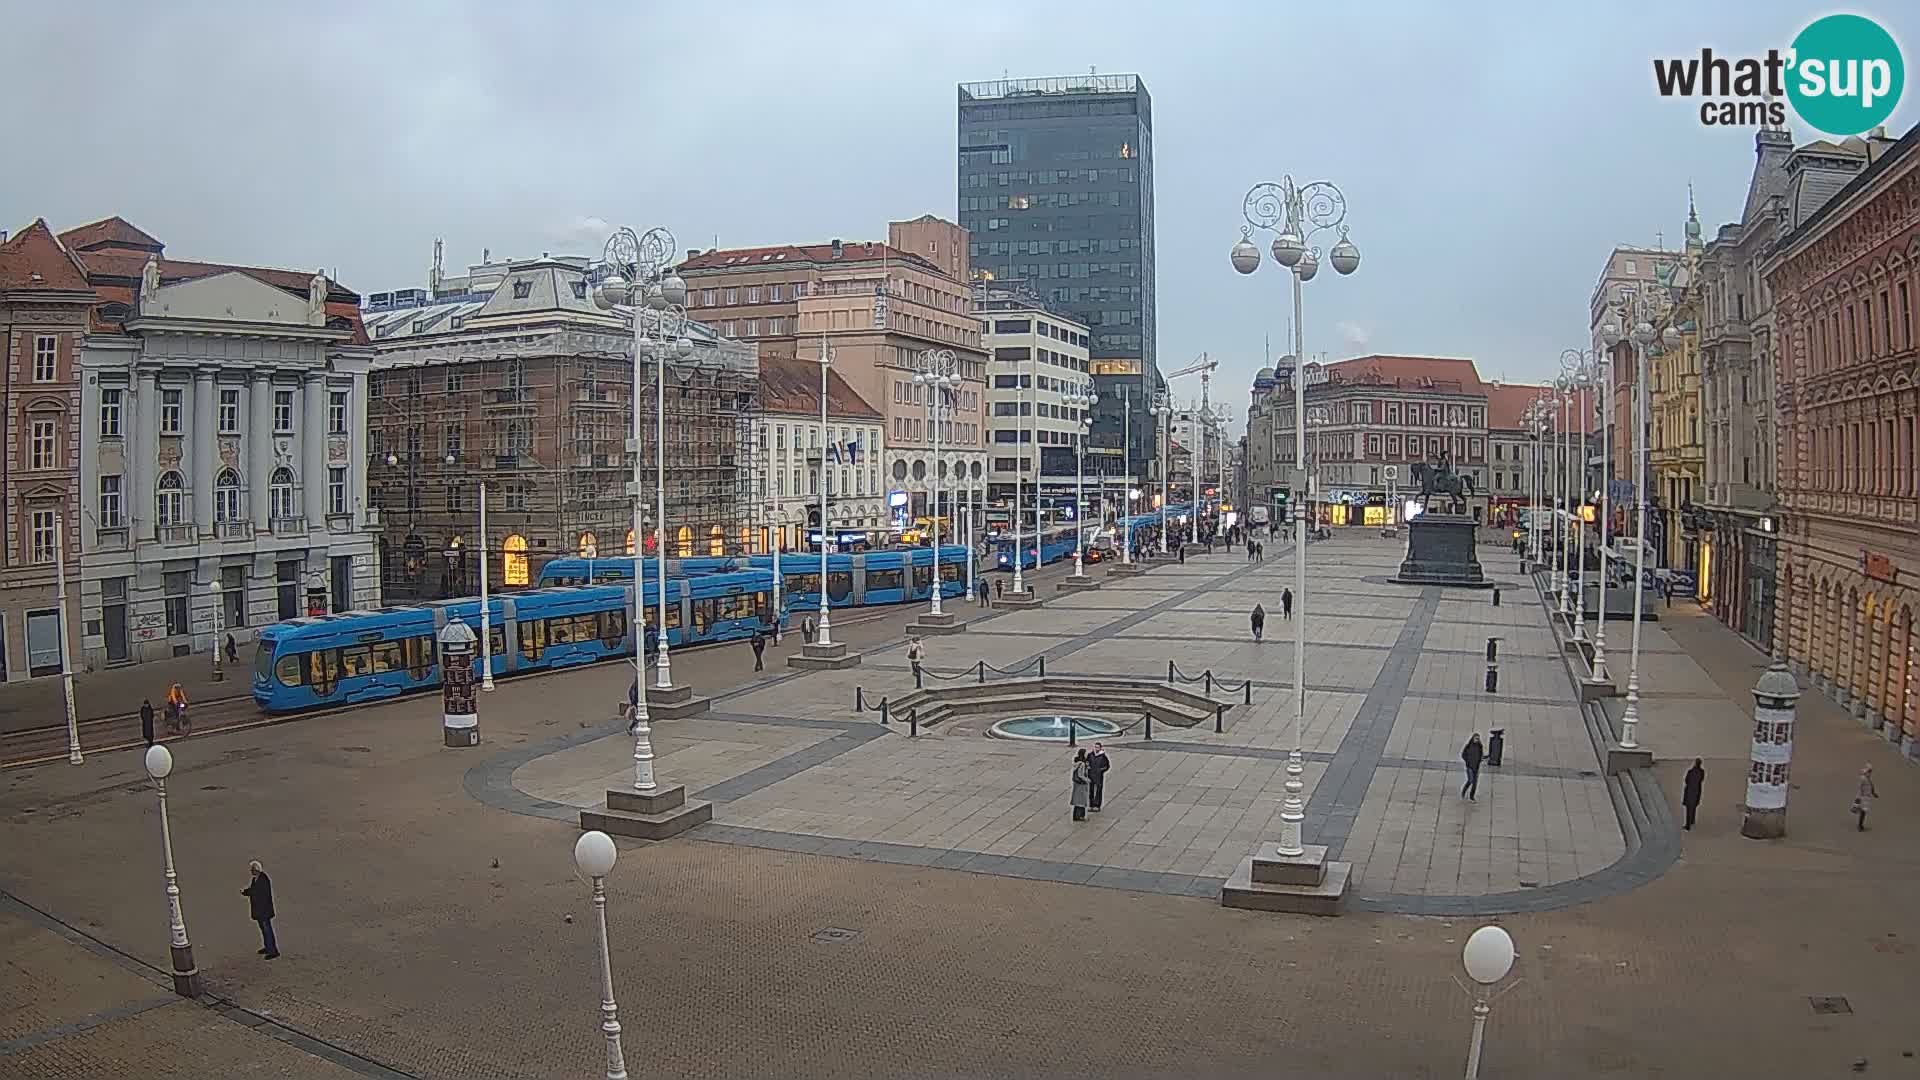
pixel 263 660
pixel 803 583
pixel 559 631
pixel 613 627
pixel 323 670
pixel 840 585
pixel 653 618
pixel 533 638
pixel 949 571
pixel 287 669
pixel 497 638
pixel 883 579
pixel 922 577
pixel 355 660
pixel 738 606
pixel 419 656
pixel 762 605
pixel 704 614
pixel 673 616
pixel 388 656
pixel 585 628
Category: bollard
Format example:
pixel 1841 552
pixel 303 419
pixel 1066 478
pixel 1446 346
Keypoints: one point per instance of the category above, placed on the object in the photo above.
pixel 1207 675
pixel 1248 687
pixel 1496 745
pixel 883 710
pixel 859 699
pixel 1169 671
pixel 1072 732
pixel 1493 650
pixel 913 723
pixel 1496 596
pixel 1149 716
pixel 1493 679
pixel 1043 667
pixel 982 668
pixel 1219 718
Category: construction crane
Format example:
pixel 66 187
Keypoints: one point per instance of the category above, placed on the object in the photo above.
pixel 1204 367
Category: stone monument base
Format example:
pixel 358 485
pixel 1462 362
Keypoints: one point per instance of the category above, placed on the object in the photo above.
pixel 1441 551
pixel 1304 884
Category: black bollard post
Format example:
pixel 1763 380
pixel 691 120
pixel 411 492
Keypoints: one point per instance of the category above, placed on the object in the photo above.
pixel 1072 732
pixel 883 710
pixel 1208 676
pixel 1248 687
pixel 1169 671
pixel 1496 596
pixel 1149 716
pixel 913 723
pixel 1219 716
pixel 859 699
pixel 1493 650
pixel 981 666
pixel 1493 679
pixel 1043 667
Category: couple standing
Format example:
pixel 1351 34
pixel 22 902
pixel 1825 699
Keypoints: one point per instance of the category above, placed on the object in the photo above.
pixel 1089 780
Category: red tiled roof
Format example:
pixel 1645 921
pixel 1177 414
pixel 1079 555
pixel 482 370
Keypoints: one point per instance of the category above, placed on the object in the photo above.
pixel 779 255
pixel 1408 370
pixel 1507 402
pixel 110 232
pixel 792 387
pixel 34 259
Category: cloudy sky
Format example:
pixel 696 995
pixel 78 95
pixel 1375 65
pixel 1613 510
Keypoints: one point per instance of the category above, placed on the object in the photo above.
pixel 1491 154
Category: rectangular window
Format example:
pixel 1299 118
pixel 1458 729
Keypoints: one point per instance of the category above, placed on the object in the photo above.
pixel 337 491
pixel 753 294
pixel 733 296
pixel 282 412
pixel 46 353
pixel 337 412
pixel 110 413
pixel 229 412
pixel 170 412
pixel 233 596
pixel 40 538
pixel 175 585
pixel 286 588
pixel 110 505
pixel 753 328
pixel 774 294
pixel 42 450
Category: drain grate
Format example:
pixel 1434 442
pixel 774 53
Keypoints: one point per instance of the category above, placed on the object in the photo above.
pixel 1830 1006
pixel 835 935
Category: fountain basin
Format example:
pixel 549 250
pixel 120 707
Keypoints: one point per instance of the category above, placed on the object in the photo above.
pixel 1053 728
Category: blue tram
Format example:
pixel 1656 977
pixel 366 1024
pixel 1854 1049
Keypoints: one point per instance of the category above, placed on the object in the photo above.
pixel 1054 543
pixel 857 580
pixel 361 656
pixel 573 570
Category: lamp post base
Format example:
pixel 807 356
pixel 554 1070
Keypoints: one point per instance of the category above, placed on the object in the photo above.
pixel 186 977
pixel 654 815
pixel 674 702
pixel 818 657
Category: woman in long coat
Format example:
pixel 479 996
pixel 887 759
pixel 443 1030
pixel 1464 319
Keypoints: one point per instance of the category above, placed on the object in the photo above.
pixel 1082 789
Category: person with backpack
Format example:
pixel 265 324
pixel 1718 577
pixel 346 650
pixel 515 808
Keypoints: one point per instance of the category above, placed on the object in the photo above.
pixel 1259 620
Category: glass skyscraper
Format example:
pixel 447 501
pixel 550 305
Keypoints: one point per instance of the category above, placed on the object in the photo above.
pixel 1056 188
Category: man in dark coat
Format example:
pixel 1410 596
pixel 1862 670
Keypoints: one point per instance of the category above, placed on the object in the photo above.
pixel 1286 603
pixel 1097 766
pixel 1259 620
pixel 260 897
pixel 759 650
pixel 1472 754
pixel 1690 791
pixel 146 720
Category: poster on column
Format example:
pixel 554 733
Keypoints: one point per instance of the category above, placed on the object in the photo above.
pixel 1772 753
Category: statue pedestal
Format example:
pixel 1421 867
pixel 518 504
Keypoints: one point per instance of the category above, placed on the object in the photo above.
pixel 1440 551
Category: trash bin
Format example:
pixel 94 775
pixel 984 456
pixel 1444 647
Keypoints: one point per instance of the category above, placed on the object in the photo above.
pixel 1496 745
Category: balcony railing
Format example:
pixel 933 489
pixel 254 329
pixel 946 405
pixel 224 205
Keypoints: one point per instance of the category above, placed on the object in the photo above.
pixel 110 539
pixel 180 534
pixel 290 526
pixel 234 530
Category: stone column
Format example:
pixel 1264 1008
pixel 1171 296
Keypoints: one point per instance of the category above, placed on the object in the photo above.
pixel 313 447
pixel 259 448
pixel 205 463
pixel 1770 765
pixel 146 455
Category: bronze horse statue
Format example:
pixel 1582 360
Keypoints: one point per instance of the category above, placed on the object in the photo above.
pixel 1438 478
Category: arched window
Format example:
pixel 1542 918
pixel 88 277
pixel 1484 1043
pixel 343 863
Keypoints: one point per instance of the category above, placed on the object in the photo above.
pixel 629 541
pixel 280 493
pixel 716 542
pixel 169 500
pixel 746 540
pixel 514 553
pixel 226 496
pixel 589 546
pixel 686 542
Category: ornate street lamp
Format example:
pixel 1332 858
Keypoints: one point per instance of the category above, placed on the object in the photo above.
pixel 1295 215
pixel 940 374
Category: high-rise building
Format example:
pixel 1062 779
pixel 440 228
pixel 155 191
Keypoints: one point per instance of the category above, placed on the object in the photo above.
pixel 1056 191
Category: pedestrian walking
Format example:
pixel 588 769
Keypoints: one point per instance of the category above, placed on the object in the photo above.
pixel 806 629
pixel 999 588
pixel 1259 621
pixel 916 652
pixel 1690 791
pixel 1181 550
pixel 233 650
pixel 759 650
pixel 631 710
pixel 146 720
pixel 1472 753
pixel 1082 785
pixel 986 594
pixel 1286 603
pixel 1863 798
pixel 1251 548
pixel 1097 766
pixel 259 894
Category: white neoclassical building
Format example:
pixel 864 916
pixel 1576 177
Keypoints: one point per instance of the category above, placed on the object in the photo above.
pixel 225 409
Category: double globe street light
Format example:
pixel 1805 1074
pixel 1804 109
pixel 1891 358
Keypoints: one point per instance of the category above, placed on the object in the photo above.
pixel 1296 215
pixel 1081 401
pixel 940 374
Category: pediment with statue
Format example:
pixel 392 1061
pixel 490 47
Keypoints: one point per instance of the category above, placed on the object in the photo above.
pixel 233 296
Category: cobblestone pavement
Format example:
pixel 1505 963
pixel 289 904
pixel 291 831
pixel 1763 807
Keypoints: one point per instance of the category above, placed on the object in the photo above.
pixel 117 691
pixel 438 936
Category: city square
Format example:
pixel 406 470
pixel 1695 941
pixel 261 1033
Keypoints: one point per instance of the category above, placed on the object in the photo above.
pixel 867 902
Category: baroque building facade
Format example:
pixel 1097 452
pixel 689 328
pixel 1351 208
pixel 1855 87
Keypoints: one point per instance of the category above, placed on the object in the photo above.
pixel 1844 284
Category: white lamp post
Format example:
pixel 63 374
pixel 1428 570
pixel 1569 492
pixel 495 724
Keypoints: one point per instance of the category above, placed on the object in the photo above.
pixel 186 978
pixel 66 625
pixel 939 373
pixel 1162 413
pixel 593 856
pixel 1488 957
pixel 1296 215
pixel 1126 442
pixel 1082 401
pixel 219 672
pixel 826 363
pixel 1562 522
pixel 1643 337
pixel 776 534
pixel 639 274
pixel 1198 455
pixel 486 617
pixel 1603 378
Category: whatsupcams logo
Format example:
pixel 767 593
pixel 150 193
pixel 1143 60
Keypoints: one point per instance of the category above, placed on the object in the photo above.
pixel 1843 75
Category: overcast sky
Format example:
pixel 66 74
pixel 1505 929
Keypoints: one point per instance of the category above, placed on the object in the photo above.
pixel 1491 155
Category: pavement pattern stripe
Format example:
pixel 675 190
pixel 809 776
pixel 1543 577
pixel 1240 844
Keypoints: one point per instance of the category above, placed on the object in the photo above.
pixel 1336 799
pixel 85 1023
pixel 1549 772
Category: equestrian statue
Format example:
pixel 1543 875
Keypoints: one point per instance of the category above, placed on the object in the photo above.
pixel 1439 478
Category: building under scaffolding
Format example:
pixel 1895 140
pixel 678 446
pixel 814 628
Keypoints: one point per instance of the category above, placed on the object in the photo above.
pixel 513 378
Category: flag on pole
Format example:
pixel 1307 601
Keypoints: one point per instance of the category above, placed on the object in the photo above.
pixel 853 451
